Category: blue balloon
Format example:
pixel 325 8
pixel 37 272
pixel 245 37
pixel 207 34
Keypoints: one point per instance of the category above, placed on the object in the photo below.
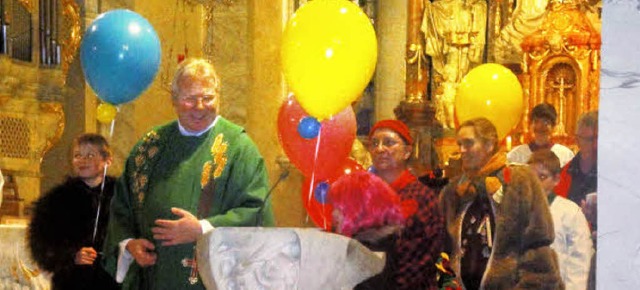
pixel 309 127
pixel 320 192
pixel 120 55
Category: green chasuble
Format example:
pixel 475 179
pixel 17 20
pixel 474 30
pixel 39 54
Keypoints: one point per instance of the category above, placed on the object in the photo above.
pixel 166 169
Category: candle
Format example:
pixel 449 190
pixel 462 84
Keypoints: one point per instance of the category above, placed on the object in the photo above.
pixel 509 143
pixel 4 35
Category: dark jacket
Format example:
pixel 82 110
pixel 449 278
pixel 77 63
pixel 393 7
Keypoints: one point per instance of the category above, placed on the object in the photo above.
pixel 62 223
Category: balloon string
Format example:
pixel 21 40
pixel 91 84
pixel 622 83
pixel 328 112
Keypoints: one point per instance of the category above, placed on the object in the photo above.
pixel 104 178
pixel 95 225
pixel 315 162
pixel 313 173
pixel 324 218
pixel 113 124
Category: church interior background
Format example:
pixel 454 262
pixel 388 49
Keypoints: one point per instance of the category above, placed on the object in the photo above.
pixel 553 46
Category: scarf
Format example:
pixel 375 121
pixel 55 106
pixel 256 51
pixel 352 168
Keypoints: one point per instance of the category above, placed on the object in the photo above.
pixel 485 178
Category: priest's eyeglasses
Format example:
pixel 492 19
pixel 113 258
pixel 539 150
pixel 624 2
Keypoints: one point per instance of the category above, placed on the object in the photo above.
pixel 192 101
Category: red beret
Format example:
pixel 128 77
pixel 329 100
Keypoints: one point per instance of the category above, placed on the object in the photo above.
pixel 396 126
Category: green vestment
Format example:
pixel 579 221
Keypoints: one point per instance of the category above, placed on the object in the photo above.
pixel 166 169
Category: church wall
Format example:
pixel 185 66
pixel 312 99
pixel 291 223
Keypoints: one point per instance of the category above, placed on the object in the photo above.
pixel 56 164
pixel 227 36
pixel 267 92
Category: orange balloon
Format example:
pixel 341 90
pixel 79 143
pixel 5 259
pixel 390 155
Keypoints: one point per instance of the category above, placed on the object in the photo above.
pixel 491 91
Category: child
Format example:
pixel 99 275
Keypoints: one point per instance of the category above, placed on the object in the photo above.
pixel 62 234
pixel 572 243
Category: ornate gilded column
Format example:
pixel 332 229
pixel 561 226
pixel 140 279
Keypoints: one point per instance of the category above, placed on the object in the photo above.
pixel 416 109
pixel 417 66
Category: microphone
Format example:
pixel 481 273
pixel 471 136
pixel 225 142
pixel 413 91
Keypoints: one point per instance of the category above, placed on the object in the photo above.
pixel 282 176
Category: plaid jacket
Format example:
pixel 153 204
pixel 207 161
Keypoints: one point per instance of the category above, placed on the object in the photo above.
pixel 417 249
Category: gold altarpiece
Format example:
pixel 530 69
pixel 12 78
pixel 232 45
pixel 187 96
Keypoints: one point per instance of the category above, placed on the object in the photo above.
pixel 561 66
pixel 560 61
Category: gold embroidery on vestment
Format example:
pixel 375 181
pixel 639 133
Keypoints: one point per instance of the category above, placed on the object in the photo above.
pixel 146 150
pixel 206 173
pixel 219 157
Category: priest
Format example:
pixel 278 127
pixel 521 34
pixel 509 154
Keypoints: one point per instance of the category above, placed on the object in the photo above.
pixel 182 179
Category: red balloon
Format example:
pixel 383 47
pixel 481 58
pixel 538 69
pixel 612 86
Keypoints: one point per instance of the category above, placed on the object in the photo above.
pixel 336 138
pixel 321 213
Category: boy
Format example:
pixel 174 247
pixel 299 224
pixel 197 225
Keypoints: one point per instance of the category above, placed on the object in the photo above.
pixel 572 242
pixel 63 236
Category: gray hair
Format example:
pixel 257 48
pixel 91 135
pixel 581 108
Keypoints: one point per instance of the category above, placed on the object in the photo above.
pixel 588 120
pixel 194 70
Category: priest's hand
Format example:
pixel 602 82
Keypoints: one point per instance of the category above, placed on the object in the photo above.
pixel 85 256
pixel 142 252
pixel 184 230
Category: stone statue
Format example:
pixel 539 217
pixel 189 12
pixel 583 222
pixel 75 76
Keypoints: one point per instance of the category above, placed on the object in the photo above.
pixel 454 38
pixel 526 19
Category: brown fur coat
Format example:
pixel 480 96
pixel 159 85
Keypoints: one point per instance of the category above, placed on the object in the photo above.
pixel 521 257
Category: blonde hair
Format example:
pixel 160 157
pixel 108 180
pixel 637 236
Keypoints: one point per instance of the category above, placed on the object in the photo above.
pixel 194 70
pixel 96 140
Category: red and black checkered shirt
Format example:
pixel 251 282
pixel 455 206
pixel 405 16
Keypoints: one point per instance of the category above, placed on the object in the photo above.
pixel 421 241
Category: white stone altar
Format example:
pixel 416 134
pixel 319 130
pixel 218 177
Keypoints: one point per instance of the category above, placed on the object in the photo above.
pixel 283 258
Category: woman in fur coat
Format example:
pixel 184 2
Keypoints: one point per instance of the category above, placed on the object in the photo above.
pixel 61 232
pixel 498 220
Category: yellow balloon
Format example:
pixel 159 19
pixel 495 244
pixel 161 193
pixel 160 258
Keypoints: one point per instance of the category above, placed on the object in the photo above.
pixel 106 113
pixel 329 54
pixel 491 91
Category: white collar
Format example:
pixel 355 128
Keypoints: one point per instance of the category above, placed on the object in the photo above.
pixel 185 132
